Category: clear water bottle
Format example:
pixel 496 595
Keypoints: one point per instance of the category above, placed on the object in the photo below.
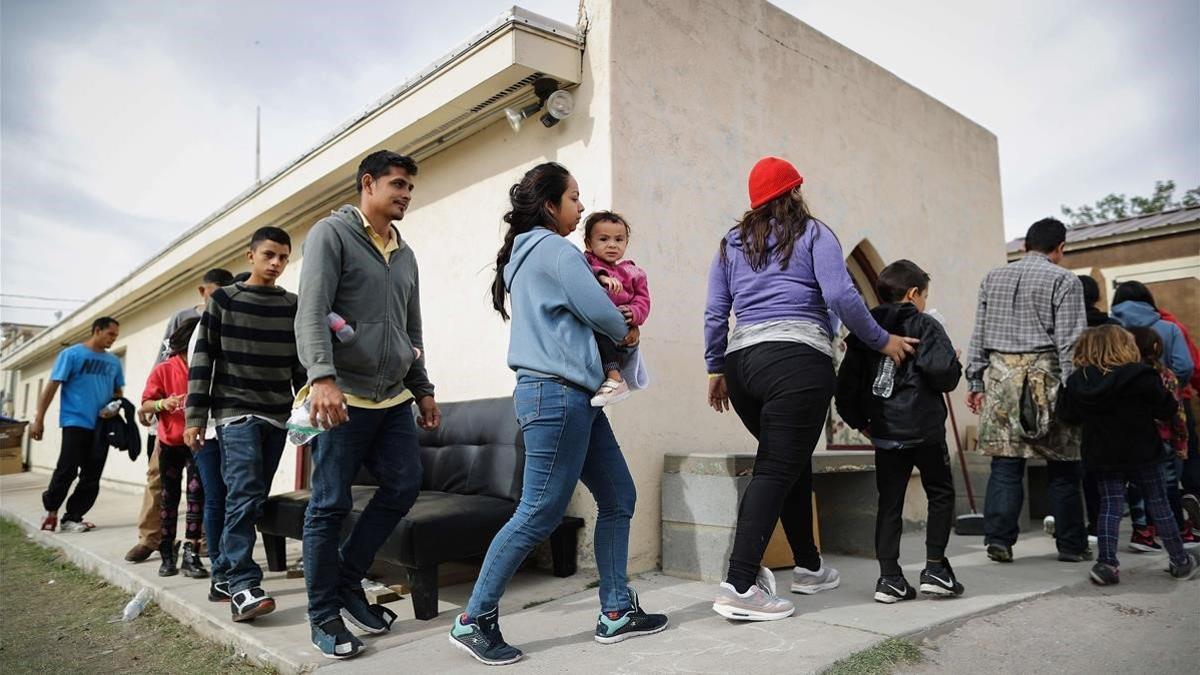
pixel 885 378
pixel 340 328
pixel 112 408
pixel 301 428
pixel 134 609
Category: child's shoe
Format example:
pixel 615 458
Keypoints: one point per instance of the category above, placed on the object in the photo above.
pixel 1142 541
pixel 611 392
pixel 1188 569
pixel 1105 575
pixel 168 551
pixel 1188 534
pixel 613 627
pixel 190 563
pixel 939 579
pixel 890 590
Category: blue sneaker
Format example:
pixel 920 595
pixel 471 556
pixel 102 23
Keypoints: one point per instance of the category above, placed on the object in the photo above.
pixel 480 637
pixel 613 627
pixel 375 619
pixel 334 641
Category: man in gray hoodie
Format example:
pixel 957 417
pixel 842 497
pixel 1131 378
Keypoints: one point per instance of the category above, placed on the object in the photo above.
pixel 361 387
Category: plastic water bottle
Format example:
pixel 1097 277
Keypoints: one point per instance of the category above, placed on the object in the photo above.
pixel 300 426
pixel 341 329
pixel 112 408
pixel 134 609
pixel 885 378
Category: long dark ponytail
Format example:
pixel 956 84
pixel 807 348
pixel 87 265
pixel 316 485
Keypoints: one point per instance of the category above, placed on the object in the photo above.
pixel 543 184
pixel 787 215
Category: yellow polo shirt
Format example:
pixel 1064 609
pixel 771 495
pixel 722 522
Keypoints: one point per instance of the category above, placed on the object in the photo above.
pixel 385 247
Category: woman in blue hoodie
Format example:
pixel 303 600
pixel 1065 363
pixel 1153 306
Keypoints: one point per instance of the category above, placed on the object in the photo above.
pixel 557 307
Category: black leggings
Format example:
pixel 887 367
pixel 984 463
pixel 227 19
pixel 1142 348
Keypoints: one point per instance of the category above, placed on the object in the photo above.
pixel 781 392
pixel 893 469
pixel 611 354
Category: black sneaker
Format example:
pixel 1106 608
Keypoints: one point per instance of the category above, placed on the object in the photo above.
pixel 334 641
pixel 375 619
pixel 190 563
pixel 1105 575
pixel 480 637
pixel 999 553
pixel 939 579
pixel 218 591
pixel 169 551
pixel 890 590
pixel 250 604
pixel 613 627
pixel 1188 569
pixel 1083 556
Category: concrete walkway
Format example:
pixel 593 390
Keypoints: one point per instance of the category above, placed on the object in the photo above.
pixel 552 619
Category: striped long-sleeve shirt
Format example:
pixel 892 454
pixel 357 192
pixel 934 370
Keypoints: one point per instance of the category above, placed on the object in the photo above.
pixel 245 361
pixel 1029 306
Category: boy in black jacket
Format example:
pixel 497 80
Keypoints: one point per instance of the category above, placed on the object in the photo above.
pixel 902 409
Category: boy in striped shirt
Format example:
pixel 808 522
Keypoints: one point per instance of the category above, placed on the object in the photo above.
pixel 242 374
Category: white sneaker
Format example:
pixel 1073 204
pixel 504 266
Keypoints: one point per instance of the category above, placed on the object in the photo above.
pixel 1093 540
pixel 611 392
pixel 74 526
pixel 809 582
pixel 766 579
pixel 753 605
pixel 1048 526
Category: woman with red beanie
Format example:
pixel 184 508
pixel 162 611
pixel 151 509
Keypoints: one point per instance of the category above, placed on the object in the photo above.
pixel 781 272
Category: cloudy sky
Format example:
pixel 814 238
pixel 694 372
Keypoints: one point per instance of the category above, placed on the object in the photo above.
pixel 125 122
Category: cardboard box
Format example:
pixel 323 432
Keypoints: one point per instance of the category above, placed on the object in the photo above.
pixel 11 435
pixel 10 465
pixel 779 552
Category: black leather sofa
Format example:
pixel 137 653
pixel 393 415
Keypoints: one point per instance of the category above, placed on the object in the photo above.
pixel 472 465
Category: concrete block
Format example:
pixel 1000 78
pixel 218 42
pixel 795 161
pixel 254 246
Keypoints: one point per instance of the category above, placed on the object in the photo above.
pixel 702 499
pixel 696 551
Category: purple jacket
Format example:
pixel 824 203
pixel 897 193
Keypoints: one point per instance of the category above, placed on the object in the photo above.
pixel 815 284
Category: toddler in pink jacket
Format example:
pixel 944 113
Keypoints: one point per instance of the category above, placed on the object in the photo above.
pixel 606 234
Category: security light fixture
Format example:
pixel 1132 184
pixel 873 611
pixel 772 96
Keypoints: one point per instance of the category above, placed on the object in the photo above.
pixel 559 105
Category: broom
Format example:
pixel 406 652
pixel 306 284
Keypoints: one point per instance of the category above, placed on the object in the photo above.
pixel 968 524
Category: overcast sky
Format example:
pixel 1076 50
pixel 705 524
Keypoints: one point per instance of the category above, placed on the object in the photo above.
pixel 124 123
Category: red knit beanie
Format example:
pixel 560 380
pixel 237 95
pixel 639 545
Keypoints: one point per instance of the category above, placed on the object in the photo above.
pixel 770 178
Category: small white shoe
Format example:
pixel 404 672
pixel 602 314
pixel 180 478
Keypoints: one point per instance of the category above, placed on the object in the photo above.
pixel 611 392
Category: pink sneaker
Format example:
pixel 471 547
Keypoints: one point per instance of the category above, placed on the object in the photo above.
pixel 611 392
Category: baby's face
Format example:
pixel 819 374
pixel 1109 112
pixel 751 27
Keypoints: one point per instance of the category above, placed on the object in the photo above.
pixel 608 241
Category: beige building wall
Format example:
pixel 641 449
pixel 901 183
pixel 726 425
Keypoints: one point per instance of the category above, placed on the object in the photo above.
pixel 701 90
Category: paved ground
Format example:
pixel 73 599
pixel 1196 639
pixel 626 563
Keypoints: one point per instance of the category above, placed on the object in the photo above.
pixel 552 619
pixel 1150 623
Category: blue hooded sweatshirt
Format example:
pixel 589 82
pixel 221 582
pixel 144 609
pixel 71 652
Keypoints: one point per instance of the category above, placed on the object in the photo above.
pixel 557 304
pixel 1133 314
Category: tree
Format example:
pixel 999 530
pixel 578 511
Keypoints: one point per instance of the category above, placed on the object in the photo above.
pixel 1116 206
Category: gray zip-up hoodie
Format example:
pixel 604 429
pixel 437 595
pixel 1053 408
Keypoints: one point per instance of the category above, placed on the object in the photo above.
pixel 344 272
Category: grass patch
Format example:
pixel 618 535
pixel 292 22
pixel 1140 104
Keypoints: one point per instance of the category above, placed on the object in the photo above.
pixel 64 627
pixel 878 660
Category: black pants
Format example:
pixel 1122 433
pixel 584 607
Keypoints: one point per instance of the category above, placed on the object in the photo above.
pixel 1091 500
pixel 893 468
pixel 781 392
pixel 78 457
pixel 177 467
pixel 611 355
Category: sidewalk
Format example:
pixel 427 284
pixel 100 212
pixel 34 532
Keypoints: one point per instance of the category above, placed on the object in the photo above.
pixel 552 619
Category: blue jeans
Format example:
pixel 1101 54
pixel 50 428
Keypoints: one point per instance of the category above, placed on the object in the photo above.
pixel 250 450
pixel 1006 492
pixel 385 442
pixel 208 461
pixel 566 440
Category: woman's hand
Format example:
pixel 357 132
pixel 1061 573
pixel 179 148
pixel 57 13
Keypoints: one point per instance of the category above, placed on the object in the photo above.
pixel 633 337
pixel 898 348
pixel 627 313
pixel 611 285
pixel 718 393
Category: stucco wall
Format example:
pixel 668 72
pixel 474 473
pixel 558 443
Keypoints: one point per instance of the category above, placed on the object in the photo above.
pixel 701 90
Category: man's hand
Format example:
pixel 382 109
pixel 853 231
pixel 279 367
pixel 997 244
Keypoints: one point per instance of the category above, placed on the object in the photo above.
pixel 975 401
pixel 193 437
pixel 611 285
pixel 37 429
pixel 430 416
pixel 718 393
pixel 145 418
pixel 633 337
pixel 898 348
pixel 327 403
pixel 627 313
